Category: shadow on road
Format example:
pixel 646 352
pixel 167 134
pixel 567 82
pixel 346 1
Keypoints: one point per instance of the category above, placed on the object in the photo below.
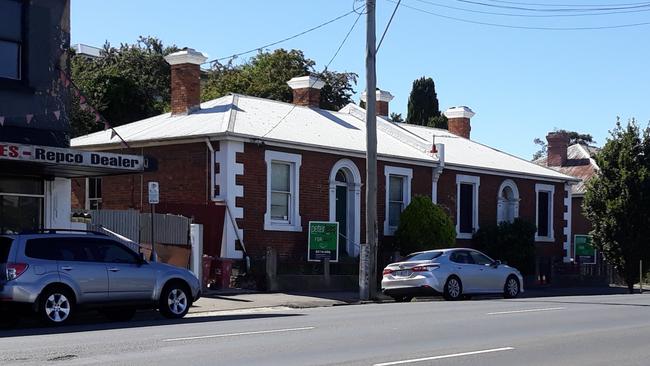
pixel 30 327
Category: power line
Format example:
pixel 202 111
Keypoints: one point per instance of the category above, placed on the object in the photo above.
pixel 530 15
pixel 521 26
pixel 284 39
pixel 388 25
pixel 556 5
pixel 324 70
pixel 644 5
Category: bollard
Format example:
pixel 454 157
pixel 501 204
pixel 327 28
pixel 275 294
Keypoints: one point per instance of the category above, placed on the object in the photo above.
pixel 641 276
pixel 326 271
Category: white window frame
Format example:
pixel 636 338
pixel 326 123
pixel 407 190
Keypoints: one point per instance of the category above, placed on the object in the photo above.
pixel 475 181
pixel 407 174
pixel 294 161
pixel 501 202
pixel 550 189
pixel 88 198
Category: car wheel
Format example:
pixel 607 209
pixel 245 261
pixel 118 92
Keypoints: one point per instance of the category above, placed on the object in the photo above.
pixel 119 314
pixel 511 288
pixel 453 289
pixel 402 298
pixel 56 306
pixel 174 300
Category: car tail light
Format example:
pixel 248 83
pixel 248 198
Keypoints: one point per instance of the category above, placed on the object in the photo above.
pixel 424 268
pixel 387 271
pixel 14 270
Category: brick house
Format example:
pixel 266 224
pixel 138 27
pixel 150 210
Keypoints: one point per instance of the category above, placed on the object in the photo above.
pixel 275 166
pixel 577 161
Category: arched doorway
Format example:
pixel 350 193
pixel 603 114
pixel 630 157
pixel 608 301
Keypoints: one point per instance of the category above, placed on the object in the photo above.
pixel 345 205
pixel 508 202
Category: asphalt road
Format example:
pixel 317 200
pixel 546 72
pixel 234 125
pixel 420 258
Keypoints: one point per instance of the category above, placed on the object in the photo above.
pixel 584 330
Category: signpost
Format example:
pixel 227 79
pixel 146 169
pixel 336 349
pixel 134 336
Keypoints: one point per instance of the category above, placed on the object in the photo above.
pixel 323 241
pixel 585 253
pixel 154 198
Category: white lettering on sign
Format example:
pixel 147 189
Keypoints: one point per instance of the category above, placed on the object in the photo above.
pixel 54 155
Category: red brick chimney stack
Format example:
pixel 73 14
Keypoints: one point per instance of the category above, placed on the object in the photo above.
pixel 381 105
pixel 459 120
pixel 558 144
pixel 306 90
pixel 186 83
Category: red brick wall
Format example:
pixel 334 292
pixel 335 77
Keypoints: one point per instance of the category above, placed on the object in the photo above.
pixel 460 127
pixel 78 193
pixel 185 86
pixel 579 223
pixel 307 97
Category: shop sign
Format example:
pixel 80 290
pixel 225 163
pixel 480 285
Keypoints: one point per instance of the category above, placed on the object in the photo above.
pixel 154 193
pixel 585 253
pixel 69 157
pixel 323 241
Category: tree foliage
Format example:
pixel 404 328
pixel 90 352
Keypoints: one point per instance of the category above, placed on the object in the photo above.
pixel 617 201
pixel 574 138
pixel 266 74
pixel 423 107
pixel 127 83
pixel 424 225
pixel 513 243
pixel 396 117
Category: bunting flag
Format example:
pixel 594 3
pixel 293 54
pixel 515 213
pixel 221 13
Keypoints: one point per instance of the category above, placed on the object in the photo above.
pixel 57 115
pixel 2 121
pixel 82 99
pixel 98 117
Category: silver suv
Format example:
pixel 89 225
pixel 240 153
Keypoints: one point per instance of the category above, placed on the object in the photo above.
pixel 56 273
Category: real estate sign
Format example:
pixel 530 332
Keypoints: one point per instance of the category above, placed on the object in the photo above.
pixel 323 241
pixel 585 253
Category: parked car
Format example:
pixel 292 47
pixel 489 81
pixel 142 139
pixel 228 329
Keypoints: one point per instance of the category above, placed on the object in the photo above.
pixel 55 273
pixel 454 273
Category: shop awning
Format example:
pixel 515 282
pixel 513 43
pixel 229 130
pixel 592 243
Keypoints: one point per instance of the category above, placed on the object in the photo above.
pixel 20 159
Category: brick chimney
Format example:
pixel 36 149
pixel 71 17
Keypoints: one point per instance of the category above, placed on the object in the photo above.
pixel 306 90
pixel 186 83
pixel 381 105
pixel 558 144
pixel 459 123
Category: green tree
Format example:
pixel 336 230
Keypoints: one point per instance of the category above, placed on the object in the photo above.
pixel 266 75
pixel 423 107
pixel 126 84
pixel 396 117
pixel 424 225
pixel 574 138
pixel 438 122
pixel 513 243
pixel 617 201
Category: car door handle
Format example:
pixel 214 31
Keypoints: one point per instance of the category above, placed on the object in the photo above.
pixel 66 268
pixel 114 269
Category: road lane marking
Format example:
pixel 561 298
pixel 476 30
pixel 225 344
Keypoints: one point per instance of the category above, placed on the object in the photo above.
pixel 445 356
pixel 238 334
pixel 524 311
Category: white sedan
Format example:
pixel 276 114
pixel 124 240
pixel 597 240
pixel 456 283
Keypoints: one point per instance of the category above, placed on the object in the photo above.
pixel 451 272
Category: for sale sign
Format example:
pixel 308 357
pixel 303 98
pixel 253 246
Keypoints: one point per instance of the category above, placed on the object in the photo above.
pixel 323 241
pixel 585 253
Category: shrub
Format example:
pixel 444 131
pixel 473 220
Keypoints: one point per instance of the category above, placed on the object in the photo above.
pixel 513 243
pixel 424 225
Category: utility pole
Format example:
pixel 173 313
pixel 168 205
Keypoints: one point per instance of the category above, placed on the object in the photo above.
pixel 368 256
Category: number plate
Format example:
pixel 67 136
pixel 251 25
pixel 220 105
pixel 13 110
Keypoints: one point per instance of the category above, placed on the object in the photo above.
pixel 403 273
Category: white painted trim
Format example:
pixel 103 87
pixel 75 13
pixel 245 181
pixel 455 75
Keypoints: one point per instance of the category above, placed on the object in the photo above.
pixel 304 82
pixel 501 202
pixel 229 190
pixel 354 198
pixel 295 161
pixel 550 189
pixel 459 112
pixel 506 173
pixel 568 204
pixel 476 182
pixel 403 172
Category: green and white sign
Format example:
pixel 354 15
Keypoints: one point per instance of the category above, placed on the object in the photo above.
pixel 323 241
pixel 585 253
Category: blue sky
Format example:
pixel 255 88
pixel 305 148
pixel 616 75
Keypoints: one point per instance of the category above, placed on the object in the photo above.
pixel 521 83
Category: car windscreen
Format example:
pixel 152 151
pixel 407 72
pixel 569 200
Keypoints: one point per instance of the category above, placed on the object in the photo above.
pixel 5 246
pixel 424 256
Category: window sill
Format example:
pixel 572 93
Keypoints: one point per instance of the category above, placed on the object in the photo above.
pixel 282 227
pixel 16 85
pixel 390 231
pixel 544 239
pixel 464 235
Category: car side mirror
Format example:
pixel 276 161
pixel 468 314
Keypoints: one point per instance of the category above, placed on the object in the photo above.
pixel 496 263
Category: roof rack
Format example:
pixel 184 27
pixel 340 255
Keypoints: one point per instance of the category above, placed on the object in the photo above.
pixel 55 231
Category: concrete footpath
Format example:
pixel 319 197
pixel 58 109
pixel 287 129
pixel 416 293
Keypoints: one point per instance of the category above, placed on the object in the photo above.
pixel 232 300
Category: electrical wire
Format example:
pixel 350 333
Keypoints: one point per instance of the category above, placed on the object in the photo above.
pixel 556 5
pixel 233 56
pixel 644 5
pixel 388 25
pixel 324 70
pixel 521 26
pixel 531 15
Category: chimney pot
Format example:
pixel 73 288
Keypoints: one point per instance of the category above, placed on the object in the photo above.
pixel 383 98
pixel 306 90
pixel 459 120
pixel 186 83
pixel 558 144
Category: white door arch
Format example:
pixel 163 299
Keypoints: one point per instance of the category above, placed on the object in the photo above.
pixel 507 201
pixel 346 174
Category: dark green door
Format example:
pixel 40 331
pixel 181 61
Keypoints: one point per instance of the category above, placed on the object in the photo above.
pixel 342 217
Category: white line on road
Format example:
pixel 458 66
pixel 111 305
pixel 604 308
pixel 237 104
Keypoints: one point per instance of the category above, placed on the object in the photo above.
pixel 239 334
pixel 445 356
pixel 524 311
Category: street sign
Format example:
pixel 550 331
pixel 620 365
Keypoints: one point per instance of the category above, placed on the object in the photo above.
pixel 154 193
pixel 585 253
pixel 323 241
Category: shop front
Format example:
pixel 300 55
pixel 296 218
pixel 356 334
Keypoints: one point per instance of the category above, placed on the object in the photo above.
pixel 35 189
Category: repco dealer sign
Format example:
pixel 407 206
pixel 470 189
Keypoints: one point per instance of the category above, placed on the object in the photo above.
pixel 70 157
